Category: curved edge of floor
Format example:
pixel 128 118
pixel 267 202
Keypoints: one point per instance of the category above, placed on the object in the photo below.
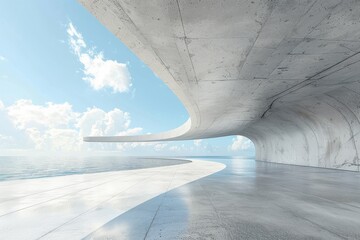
pixel 75 206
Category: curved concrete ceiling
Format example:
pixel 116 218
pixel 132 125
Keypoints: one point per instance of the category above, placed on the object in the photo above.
pixel 283 73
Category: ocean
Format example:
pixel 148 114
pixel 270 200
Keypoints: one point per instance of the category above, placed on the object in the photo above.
pixel 14 168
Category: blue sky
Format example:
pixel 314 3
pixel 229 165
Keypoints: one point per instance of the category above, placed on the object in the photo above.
pixel 63 75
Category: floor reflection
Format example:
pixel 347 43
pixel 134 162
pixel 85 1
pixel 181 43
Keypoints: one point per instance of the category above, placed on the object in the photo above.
pixel 72 207
pixel 249 200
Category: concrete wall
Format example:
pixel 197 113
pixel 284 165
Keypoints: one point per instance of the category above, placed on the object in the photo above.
pixel 321 131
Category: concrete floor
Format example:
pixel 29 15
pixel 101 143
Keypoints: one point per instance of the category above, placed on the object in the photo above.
pixel 197 200
pixel 249 200
pixel 73 206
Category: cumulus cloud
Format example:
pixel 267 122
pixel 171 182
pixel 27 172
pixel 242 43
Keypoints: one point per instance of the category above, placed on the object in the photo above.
pixel 241 143
pixel 2 106
pixel 99 72
pixel 54 139
pixel 97 122
pixel 58 127
pixel 25 114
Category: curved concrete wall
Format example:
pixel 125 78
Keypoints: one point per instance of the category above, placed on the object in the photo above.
pixel 321 131
pixel 283 73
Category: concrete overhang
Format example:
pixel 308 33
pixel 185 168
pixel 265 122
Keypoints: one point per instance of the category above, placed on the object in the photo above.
pixel 283 73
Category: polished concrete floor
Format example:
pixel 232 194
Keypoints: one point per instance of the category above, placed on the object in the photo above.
pixel 249 200
pixel 73 206
pixel 197 200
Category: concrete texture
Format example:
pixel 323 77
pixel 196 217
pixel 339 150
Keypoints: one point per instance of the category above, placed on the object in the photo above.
pixel 248 200
pixel 283 73
pixel 220 198
pixel 71 207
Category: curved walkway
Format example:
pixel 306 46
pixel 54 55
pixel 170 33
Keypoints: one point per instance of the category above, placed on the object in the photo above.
pixel 71 207
pixel 246 200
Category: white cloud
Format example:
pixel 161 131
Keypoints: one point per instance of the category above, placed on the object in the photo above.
pixel 2 58
pixel 76 40
pixel 102 73
pixel 99 72
pixel 27 115
pixel 160 146
pixel 198 142
pixel 241 143
pixel 2 106
pixel 97 122
pixel 54 139
pixel 58 127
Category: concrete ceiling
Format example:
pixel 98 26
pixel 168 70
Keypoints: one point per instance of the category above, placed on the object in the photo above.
pixel 235 63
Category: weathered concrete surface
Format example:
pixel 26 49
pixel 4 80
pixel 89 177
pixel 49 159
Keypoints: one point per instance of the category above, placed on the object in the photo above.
pixel 283 73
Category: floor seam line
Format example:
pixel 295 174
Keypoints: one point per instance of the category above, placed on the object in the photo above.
pixel 162 200
pixel 89 210
pixel 57 198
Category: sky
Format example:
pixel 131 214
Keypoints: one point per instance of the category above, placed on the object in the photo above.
pixel 63 76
